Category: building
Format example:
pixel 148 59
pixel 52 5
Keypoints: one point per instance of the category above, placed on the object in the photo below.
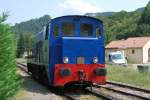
pixel 137 49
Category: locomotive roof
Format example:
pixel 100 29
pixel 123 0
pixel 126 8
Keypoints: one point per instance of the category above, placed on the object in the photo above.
pixel 39 35
pixel 80 16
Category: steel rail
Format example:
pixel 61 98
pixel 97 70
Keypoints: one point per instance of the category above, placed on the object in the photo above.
pixel 128 86
pixel 123 92
pixel 103 96
pixel 21 66
pixel 69 96
pixel 126 93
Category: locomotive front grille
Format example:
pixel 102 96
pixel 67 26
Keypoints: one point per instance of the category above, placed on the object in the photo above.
pixel 80 60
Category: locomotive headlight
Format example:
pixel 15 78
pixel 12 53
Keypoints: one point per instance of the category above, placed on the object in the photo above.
pixel 65 60
pixel 95 60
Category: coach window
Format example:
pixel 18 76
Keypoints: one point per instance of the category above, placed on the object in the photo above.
pixel 98 32
pixel 56 30
pixel 86 30
pixel 68 29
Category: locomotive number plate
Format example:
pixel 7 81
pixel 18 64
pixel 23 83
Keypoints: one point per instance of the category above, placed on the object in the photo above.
pixel 80 60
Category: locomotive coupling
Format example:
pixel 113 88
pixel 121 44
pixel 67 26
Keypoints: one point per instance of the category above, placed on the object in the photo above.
pixel 82 75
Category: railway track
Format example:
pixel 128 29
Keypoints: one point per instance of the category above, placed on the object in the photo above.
pixel 74 96
pixel 127 90
pixel 87 94
pixel 128 86
pixel 121 88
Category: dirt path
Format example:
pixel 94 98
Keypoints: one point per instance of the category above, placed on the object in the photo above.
pixel 32 90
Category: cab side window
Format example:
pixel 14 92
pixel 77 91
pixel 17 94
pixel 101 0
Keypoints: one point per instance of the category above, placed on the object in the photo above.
pixel 98 32
pixel 56 30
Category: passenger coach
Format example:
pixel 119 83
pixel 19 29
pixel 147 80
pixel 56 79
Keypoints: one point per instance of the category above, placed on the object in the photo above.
pixel 69 50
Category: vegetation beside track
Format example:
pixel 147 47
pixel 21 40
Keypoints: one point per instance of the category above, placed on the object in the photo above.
pixel 9 81
pixel 128 75
pixel 21 60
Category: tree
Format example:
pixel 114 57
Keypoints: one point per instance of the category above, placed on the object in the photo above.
pixel 120 25
pixel 20 46
pixel 28 41
pixel 8 80
pixel 143 28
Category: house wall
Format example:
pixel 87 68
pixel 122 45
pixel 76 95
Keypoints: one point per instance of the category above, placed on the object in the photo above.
pixel 145 52
pixel 134 55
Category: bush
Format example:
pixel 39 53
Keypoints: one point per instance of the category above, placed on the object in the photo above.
pixel 9 82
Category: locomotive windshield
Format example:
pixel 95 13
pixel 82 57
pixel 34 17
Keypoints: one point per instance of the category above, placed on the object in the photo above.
pixel 77 28
pixel 68 29
pixel 86 29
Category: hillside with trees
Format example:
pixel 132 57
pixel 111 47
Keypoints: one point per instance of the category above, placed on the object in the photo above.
pixel 122 25
pixel 31 26
pixel 25 31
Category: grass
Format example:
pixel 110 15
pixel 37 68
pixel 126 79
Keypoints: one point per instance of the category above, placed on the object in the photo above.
pixel 21 93
pixel 128 75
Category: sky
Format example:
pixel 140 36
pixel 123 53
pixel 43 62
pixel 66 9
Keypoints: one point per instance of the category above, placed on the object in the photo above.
pixel 23 10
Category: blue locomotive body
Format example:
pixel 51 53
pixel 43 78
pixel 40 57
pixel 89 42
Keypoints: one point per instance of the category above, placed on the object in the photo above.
pixel 70 49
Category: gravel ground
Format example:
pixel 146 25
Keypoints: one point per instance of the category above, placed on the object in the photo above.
pixel 32 90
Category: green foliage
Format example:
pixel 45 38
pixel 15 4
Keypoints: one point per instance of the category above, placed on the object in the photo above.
pixel 20 46
pixel 28 39
pixel 9 82
pixel 24 43
pixel 24 32
pixel 3 17
pixel 120 25
pixel 143 28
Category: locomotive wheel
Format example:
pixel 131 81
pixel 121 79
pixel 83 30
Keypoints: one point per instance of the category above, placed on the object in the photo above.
pixel 45 79
pixel 34 76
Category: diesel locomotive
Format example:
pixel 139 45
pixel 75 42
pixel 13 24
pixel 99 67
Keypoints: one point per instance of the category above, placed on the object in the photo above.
pixel 69 50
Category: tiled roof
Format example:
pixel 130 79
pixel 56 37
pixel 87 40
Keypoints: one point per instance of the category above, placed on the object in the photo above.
pixel 116 44
pixel 135 42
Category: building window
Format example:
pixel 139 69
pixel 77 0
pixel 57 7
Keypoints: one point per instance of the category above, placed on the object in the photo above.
pixel 133 51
